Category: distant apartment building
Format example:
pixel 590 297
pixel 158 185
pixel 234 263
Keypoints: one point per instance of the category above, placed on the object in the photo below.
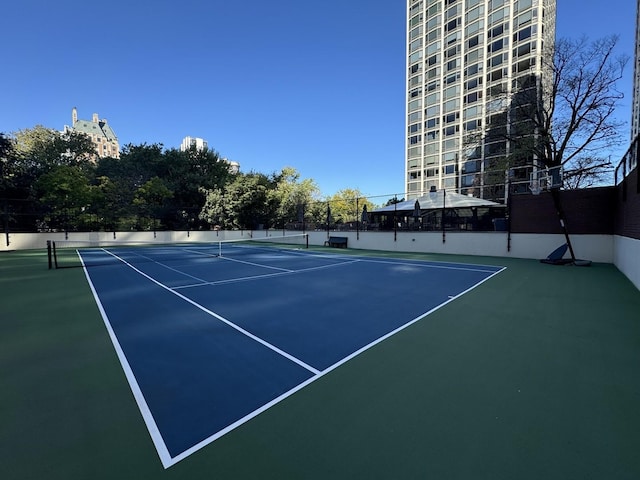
pixel 193 142
pixel 461 56
pixel 201 144
pixel 99 131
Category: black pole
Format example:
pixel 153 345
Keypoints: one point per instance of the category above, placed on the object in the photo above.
pixel 357 220
pixel 6 220
pixel 444 211
pixel 328 218
pixel 555 194
pixel 508 214
pixel 395 223
pixel 49 254
pixel 303 220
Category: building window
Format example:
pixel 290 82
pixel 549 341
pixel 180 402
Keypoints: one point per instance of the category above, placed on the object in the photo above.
pixel 415 105
pixel 452 25
pixel 416 127
pixel 474 28
pixel 432 111
pixel 472 125
pixel 497 45
pixel 412 153
pixel 451 92
pixel 451 117
pixel 496 31
pixel 432 123
pixel 454 77
pixel 433 48
pixel 453 64
pixel 415 33
pixel 433 98
pixel 415 117
pixel 431 148
pixel 452 130
pixel 417 80
pixel 450 157
pixel 475 14
pixel 524 33
pixel 414 57
pixel 433 22
pixel 451 105
pixel 415 21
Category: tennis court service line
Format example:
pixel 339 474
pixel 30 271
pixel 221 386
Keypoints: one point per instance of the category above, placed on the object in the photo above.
pixel 285 270
pixel 222 319
pixel 165 266
pixel 266 275
pixel 466 268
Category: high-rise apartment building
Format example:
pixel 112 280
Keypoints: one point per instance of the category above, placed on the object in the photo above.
pixel 466 59
pixel 189 142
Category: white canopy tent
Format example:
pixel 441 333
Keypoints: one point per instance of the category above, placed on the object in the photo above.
pixel 437 200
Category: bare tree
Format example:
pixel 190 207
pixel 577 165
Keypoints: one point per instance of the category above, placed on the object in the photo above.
pixel 563 117
pixel 572 113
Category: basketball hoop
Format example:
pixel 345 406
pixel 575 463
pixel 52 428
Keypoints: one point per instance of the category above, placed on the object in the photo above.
pixel 534 186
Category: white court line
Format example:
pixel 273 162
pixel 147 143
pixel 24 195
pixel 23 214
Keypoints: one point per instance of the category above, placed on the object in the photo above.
pixel 253 414
pixel 221 318
pixel 286 270
pixel 267 275
pixel 147 416
pixel 434 265
pixel 165 457
pixel 166 266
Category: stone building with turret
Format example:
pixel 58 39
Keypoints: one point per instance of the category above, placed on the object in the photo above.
pixel 100 132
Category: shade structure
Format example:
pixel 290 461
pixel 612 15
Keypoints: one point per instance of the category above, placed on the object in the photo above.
pixel 436 200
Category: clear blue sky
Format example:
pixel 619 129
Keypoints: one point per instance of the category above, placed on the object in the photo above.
pixel 319 86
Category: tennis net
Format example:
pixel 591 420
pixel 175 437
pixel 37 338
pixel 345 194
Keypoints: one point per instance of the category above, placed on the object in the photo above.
pixel 77 253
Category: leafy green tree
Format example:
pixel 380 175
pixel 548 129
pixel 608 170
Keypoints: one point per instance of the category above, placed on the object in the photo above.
pixel 40 149
pixel 66 191
pixel 7 166
pixel 150 199
pixel 292 197
pixel 187 174
pixel 347 205
pixel 118 180
pixel 242 204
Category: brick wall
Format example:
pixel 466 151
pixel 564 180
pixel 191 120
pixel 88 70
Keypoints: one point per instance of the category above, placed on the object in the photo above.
pixel 627 214
pixel 587 211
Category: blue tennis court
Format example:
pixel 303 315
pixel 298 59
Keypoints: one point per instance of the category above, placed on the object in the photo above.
pixel 209 341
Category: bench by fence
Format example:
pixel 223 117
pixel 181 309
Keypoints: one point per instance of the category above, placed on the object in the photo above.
pixel 338 242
